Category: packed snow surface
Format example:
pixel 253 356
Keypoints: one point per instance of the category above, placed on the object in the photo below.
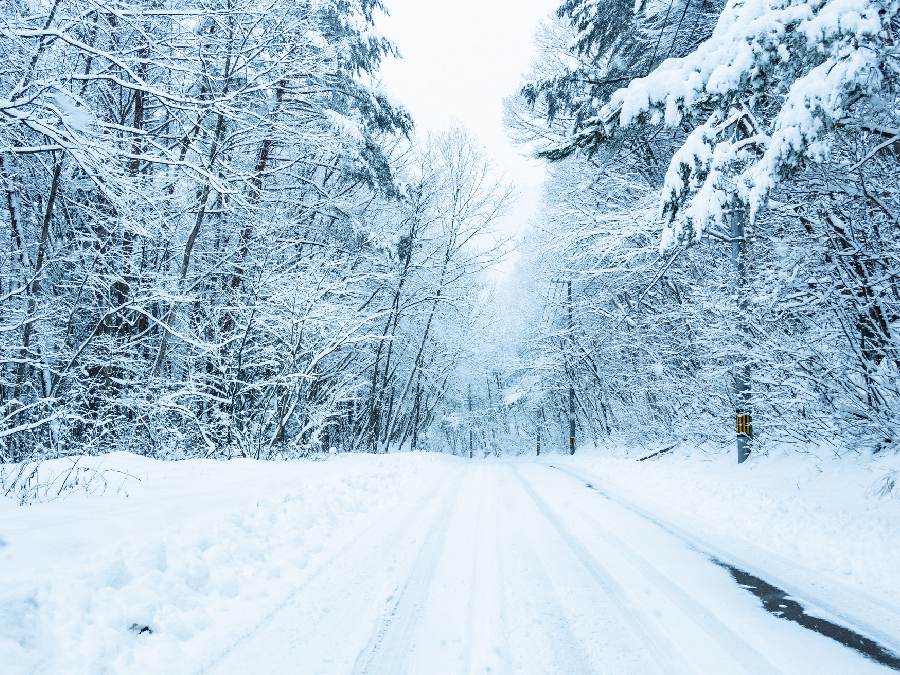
pixel 418 563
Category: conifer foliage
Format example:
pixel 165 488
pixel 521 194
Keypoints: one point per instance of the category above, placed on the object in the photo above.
pixel 665 122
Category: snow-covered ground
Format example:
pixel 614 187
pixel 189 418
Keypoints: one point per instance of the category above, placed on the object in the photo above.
pixel 429 564
pixel 821 522
pixel 199 551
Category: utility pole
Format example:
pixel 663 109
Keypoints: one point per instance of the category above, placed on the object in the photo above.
pixel 540 425
pixel 571 376
pixel 471 432
pixel 743 419
pixel 415 430
pixel 570 341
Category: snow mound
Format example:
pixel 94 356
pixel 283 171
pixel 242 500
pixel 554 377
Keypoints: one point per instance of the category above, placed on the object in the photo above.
pixel 832 516
pixel 187 570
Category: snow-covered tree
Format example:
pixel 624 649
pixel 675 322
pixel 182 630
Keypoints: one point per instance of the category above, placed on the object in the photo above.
pixel 201 255
pixel 671 125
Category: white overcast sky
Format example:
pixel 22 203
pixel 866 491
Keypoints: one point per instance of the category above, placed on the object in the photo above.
pixel 460 60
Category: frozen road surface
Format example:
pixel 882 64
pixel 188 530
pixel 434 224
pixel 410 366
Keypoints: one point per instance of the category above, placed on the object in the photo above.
pixel 518 567
pixel 425 564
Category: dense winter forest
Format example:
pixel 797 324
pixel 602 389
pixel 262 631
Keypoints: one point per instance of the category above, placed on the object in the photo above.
pixel 219 240
pixel 724 208
pixel 571 347
pixel 222 239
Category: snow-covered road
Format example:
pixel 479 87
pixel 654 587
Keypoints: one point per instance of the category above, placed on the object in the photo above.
pixel 513 567
pixel 419 564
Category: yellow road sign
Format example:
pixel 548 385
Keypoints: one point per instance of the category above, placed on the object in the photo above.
pixel 744 424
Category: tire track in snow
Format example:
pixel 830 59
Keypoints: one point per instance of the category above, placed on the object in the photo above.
pixel 487 638
pixel 663 652
pixel 567 650
pixel 864 630
pixel 345 550
pixel 470 606
pixel 749 658
pixel 389 647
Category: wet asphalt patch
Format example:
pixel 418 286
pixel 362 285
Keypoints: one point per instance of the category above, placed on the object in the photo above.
pixel 778 603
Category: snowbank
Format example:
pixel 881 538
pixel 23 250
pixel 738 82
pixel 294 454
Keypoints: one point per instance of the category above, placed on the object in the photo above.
pixel 174 559
pixel 825 523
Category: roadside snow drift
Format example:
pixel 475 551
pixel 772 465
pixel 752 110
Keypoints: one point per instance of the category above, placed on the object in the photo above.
pixel 830 515
pixel 174 560
pixel 422 564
